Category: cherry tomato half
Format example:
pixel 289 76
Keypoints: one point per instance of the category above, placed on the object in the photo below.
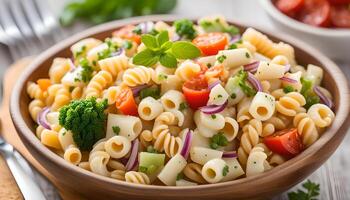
pixel 316 13
pixel 211 43
pixel 289 7
pixel 337 2
pixel 196 91
pixel 286 142
pixel 125 102
pixel 340 16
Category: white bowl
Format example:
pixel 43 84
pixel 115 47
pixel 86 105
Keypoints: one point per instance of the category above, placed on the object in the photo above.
pixel 335 43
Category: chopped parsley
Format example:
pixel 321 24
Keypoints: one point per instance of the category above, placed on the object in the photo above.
pixel 183 106
pixel 137 30
pixel 150 92
pixel 310 192
pixel 80 52
pixel 127 44
pixel 209 65
pixel 233 96
pixel 108 51
pixel 218 140
pixel 307 91
pixel 87 70
pixel 162 77
pixel 232 46
pixel 151 149
pixel 288 89
pixel 184 28
pixel 221 58
pixel 213 116
pixel 116 130
pixel 143 169
pixel 247 55
pixel 242 83
pixel 225 170
pixel 179 176
pixel 219 96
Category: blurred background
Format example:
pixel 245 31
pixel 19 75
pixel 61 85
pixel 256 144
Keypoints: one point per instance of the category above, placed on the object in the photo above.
pixel 30 26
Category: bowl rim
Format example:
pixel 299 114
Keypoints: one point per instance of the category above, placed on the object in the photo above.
pixel 290 22
pixel 296 163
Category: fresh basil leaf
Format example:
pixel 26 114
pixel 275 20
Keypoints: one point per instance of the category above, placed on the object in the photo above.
pixel 149 41
pixel 162 37
pixel 185 50
pixel 168 60
pixel 145 58
pixel 166 46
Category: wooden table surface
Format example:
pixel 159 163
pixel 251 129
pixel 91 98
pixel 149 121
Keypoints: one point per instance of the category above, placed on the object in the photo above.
pixel 333 176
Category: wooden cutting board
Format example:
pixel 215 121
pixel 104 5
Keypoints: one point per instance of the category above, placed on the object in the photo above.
pixel 8 187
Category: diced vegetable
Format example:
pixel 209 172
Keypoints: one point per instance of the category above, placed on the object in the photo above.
pixel 151 162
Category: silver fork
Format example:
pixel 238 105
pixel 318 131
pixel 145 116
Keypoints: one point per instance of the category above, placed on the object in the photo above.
pixel 27 27
pixel 28 187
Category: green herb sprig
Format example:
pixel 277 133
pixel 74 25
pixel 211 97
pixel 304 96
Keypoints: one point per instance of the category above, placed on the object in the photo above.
pixel 218 140
pixel 159 48
pixel 310 192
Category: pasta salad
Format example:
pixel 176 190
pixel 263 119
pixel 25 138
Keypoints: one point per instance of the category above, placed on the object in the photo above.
pixel 181 104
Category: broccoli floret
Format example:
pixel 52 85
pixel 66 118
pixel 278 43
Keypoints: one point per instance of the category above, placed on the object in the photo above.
pixel 86 119
pixel 184 28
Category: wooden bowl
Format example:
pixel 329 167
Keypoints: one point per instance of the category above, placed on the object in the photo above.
pixel 264 185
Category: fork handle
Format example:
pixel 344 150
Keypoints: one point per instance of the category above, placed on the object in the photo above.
pixel 29 189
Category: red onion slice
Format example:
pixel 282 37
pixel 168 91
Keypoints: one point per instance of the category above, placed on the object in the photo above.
pixel 42 120
pixel 323 97
pixel 213 84
pixel 287 67
pixel 229 154
pixel 235 38
pixel 255 82
pixel 132 162
pixel 251 67
pixel 185 151
pixel 289 80
pixel 119 52
pixel 136 90
pixel 213 109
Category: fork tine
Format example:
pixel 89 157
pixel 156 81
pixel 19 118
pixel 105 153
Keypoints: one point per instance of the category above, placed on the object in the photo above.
pixel 20 19
pixel 10 27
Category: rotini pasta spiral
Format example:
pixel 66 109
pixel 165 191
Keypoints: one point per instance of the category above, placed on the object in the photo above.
pixel 118 174
pixel 114 65
pixel 111 94
pixel 34 91
pixel 35 107
pixel 146 138
pixel 243 114
pixel 137 177
pixel 187 70
pixel 321 114
pixel 77 93
pixel 306 128
pixel 96 85
pixel 138 76
pixel 62 98
pixel 165 125
pixel 291 104
pixel 193 171
pixel 59 68
pixel 250 137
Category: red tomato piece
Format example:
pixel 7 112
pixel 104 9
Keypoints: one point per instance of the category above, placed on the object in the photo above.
pixel 289 7
pixel 286 142
pixel 337 2
pixel 211 43
pixel 126 103
pixel 196 91
pixel 340 16
pixel 316 13
pixel 127 33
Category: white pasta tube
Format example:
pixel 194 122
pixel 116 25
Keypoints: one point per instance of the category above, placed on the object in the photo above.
pixel 234 58
pixel 202 155
pixel 262 106
pixel 218 95
pixel 268 71
pixel 314 73
pixel 212 171
pixel 98 162
pixel 198 140
pixel 149 108
pixel 117 146
pixel 230 129
pixel 321 114
pixel 71 153
pixel 207 60
pixel 256 161
pixel 170 171
pixel 129 126
pixel 92 54
pixel 208 125
pixel 172 99
pixel 234 169
pixel 84 45
pixel 260 57
pixel 172 82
